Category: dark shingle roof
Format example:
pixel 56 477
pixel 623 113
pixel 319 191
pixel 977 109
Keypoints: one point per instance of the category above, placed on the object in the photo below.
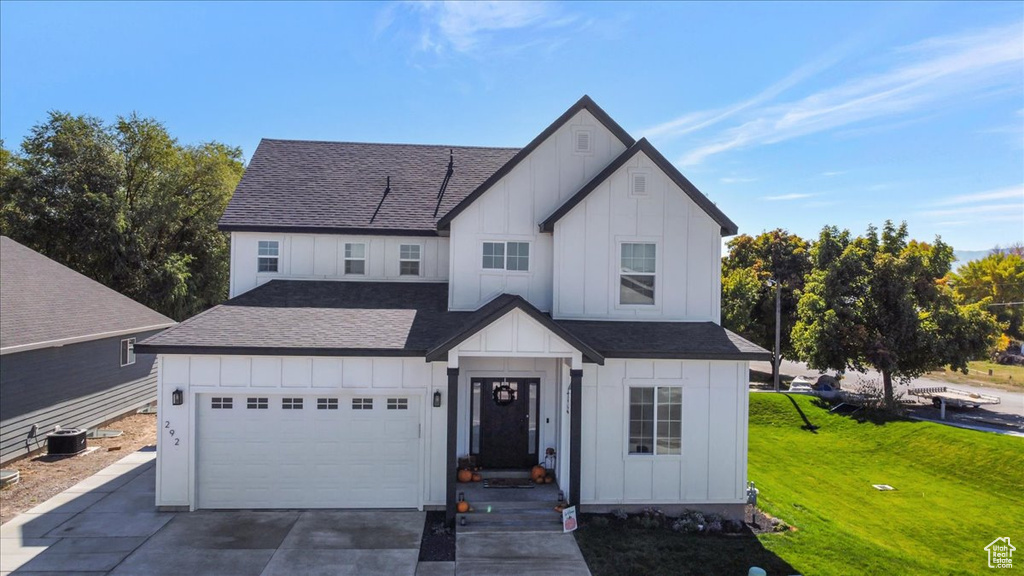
pixel 680 340
pixel 332 318
pixel 43 301
pixel 304 186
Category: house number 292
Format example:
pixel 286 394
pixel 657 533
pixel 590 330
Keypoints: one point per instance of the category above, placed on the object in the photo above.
pixel 170 432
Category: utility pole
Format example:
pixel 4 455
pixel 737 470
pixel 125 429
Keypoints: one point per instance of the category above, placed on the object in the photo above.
pixel 778 329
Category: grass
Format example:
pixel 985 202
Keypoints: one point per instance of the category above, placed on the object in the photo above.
pixel 956 491
pixel 1003 376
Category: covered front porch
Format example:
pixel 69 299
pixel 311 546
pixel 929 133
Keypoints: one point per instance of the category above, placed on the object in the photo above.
pixel 514 397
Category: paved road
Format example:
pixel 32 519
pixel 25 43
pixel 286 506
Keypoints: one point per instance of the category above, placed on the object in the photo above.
pixel 1010 411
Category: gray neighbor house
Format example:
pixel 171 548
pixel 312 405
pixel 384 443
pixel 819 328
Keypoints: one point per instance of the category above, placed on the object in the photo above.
pixel 67 350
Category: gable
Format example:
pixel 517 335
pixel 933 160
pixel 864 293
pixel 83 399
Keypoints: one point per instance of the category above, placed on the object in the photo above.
pixel 585 104
pixel 728 227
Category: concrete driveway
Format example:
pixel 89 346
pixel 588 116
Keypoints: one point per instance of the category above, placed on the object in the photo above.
pixel 107 524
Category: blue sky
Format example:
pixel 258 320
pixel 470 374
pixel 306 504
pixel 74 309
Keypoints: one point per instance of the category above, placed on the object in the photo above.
pixel 791 115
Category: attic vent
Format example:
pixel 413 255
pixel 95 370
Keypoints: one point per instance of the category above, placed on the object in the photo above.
pixel 583 141
pixel 639 184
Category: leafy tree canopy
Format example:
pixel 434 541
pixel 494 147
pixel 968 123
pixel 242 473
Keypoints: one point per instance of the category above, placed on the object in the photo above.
pixel 882 303
pixel 997 282
pixel 126 205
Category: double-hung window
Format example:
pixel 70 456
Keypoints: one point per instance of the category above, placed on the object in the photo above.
pixel 269 251
pixel 355 258
pixel 637 273
pixel 409 260
pixel 127 351
pixel 655 420
pixel 514 256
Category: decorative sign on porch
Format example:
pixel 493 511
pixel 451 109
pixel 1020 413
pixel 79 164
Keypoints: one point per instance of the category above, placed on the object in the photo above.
pixel 569 519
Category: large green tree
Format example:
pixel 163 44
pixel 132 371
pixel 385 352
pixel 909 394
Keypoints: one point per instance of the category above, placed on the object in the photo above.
pixel 125 204
pixel 997 282
pixel 881 302
pixel 748 298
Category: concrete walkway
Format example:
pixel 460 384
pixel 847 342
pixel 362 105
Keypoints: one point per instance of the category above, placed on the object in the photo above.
pixel 519 554
pixel 108 524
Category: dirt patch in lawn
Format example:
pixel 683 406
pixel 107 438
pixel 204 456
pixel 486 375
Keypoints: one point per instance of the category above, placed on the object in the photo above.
pixel 43 477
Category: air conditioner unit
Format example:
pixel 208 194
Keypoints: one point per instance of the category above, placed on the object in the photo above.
pixel 65 442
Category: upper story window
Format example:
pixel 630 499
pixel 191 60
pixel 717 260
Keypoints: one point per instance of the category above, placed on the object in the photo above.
pixel 637 273
pixel 507 256
pixel 355 258
pixel 409 256
pixel 655 420
pixel 268 256
pixel 127 351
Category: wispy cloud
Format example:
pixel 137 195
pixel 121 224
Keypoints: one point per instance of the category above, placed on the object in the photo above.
pixel 475 27
pixel 833 173
pixel 937 70
pixel 786 197
pixel 1015 211
pixel 736 180
pixel 1010 192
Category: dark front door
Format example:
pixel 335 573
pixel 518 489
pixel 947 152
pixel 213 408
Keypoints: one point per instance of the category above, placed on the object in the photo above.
pixel 506 407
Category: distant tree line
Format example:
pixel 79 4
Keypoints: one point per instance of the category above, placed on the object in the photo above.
pixel 876 301
pixel 125 204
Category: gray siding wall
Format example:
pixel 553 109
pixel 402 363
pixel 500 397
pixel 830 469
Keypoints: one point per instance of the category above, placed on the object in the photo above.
pixel 75 386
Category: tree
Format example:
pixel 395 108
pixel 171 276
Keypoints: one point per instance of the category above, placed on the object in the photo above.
pixel 748 301
pixel 881 303
pixel 997 282
pixel 126 205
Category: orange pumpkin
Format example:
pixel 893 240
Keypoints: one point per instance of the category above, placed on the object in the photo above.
pixel 462 507
pixel 539 480
pixel 548 479
pixel 477 477
pixel 538 471
pixel 465 475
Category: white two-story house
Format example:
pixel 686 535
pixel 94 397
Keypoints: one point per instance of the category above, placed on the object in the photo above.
pixel 397 307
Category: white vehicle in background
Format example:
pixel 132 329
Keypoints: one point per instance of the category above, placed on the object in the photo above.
pixel 801 384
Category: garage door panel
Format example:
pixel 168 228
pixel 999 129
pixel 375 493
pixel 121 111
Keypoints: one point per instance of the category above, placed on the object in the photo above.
pixel 308 457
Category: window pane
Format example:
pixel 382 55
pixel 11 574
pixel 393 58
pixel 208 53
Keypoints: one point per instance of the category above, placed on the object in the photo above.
pixel 409 268
pixel 532 449
pixel 518 256
pixel 267 248
pixel 355 250
pixel 409 252
pixel 636 289
pixel 355 266
pixel 267 265
pixel 669 420
pixel 474 433
pixel 638 258
pixel 641 420
pixel 494 255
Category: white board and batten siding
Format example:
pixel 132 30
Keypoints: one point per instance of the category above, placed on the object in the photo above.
pixel 512 209
pixel 280 458
pixel 587 251
pixel 322 257
pixel 711 468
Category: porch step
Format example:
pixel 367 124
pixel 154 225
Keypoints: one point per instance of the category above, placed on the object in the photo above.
pixel 510 517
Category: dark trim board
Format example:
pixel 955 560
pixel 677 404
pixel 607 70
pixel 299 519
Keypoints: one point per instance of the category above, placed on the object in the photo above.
pixel 276 351
pixel 583 103
pixel 326 230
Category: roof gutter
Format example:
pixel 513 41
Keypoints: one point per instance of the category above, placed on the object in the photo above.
pixel 76 339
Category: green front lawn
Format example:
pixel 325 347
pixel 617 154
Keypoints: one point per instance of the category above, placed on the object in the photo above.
pixel 956 491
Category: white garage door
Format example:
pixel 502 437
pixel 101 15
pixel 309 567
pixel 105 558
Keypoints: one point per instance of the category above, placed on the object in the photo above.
pixel 263 451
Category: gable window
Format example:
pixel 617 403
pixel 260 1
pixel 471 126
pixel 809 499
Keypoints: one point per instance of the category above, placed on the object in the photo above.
pixel 269 251
pixel 513 256
pixel 409 260
pixel 355 258
pixel 637 273
pixel 127 351
pixel 656 420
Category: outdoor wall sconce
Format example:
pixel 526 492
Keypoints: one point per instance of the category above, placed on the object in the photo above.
pixel 177 397
pixel 437 398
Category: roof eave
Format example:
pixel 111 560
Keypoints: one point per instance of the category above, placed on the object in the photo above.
pixel 272 350
pixel 327 230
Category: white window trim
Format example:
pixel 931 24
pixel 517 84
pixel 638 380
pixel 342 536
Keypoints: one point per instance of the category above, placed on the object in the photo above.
pixel 277 258
pixel 630 384
pixel 365 259
pixel 504 262
pixel 418 260
pixel 129 353
pixel 618 273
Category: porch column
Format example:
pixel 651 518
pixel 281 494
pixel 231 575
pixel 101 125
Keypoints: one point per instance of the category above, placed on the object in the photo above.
pixel 453 457
pixel 575 433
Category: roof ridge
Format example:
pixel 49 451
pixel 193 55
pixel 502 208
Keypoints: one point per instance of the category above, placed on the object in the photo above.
pixel 396 144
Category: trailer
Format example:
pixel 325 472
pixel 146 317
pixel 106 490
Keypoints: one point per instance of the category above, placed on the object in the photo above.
pixel 942 396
